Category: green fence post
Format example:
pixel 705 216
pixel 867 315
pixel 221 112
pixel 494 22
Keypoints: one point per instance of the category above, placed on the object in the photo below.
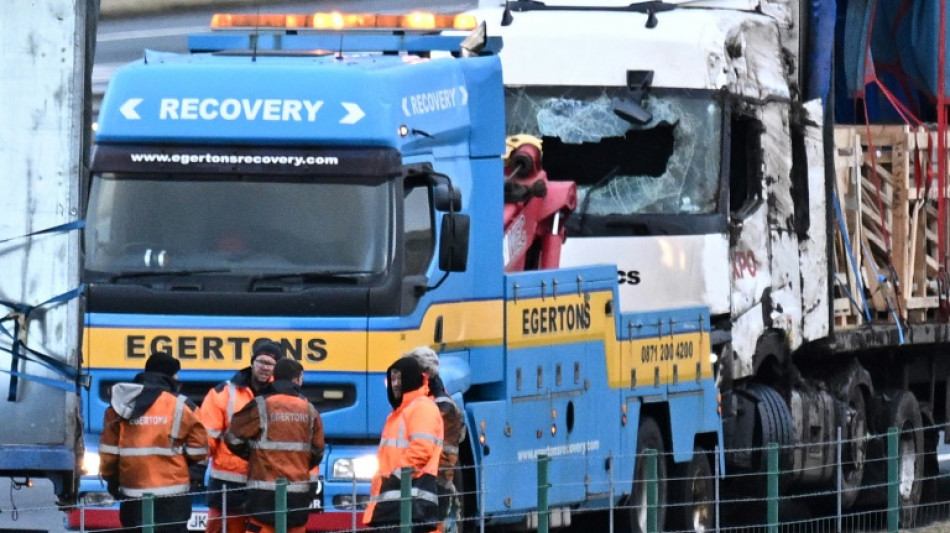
pixel 772 482
pixel 652 492
pixel 148 513
pixel 543 486
pixel 405 500
pixel 893 504
pixel 280 506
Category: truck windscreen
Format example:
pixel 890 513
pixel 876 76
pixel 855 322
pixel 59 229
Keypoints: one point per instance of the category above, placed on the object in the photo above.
pixel 253 224
pixel 666 166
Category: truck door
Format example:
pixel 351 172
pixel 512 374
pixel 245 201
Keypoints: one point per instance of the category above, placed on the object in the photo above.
pixel 749 242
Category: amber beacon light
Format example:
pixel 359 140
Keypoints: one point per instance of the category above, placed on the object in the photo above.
pixel 415 21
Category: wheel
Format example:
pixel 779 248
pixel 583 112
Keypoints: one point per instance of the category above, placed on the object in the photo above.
pixel 773 424
pixel 693 494
pixel 457 521
pixel 899 410
pixel 634 517
pixel 853 416
pixel 905 416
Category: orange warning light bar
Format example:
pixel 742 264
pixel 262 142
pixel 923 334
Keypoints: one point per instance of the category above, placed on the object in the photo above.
pixel 415 21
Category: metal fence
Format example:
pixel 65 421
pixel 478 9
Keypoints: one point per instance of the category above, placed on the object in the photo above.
pixel 902 488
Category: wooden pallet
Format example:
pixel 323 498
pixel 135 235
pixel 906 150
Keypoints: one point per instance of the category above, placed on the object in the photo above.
pixel 890 213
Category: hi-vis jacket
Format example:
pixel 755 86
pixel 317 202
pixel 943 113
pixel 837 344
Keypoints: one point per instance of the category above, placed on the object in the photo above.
pixel 151 435
pixel 412 437
pixel 217 409
pixel 281 434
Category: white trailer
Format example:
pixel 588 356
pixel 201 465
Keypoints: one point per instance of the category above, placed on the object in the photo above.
pixel 45 55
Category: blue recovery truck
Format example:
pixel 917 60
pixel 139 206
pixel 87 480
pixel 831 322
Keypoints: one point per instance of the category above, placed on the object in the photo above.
pixel 344 193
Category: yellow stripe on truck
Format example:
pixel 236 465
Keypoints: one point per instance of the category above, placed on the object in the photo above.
pixel 463 324
pixel 210 349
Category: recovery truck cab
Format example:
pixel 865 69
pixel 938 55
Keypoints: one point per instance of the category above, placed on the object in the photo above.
pixel 336 182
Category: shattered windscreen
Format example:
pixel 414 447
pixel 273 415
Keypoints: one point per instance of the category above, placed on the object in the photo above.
pixel 669 165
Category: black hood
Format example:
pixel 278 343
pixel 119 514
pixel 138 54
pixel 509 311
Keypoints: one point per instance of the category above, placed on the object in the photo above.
pixel 405 375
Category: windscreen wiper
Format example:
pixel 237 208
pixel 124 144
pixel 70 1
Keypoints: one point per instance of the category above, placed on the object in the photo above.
pixel 312 276
pixel 147 273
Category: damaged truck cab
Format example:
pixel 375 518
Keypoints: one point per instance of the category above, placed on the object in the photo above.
pixel 706 176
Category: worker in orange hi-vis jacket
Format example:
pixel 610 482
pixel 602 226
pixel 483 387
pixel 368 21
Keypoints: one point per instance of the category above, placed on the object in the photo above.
pixel 412 437
pixel 454 425
pixel 281 435
pixel 151 436
pixel 227 471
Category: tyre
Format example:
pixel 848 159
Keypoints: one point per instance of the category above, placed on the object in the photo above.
pixel 773 424
pixel 899 410
pixel 693 493
pixel 463 518
pixel 853 416
pixel 633 517
pixel 905 416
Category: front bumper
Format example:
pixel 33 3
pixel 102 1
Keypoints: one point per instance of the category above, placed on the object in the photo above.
pixel 98 510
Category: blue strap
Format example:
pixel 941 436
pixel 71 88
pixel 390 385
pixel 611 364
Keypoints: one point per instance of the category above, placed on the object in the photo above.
pixel 847 246
pixel 18 350
pixel 69 226
pixel 56 384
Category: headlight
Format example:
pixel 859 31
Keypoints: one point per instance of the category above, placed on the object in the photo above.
pixel 361 468
pixel 90 463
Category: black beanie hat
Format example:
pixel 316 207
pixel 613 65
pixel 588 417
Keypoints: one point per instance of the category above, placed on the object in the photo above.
pixel 162 363
pixel 269 347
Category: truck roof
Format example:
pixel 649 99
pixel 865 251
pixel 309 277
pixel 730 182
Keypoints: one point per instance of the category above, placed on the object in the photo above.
pixel 686 49
pixel 318 98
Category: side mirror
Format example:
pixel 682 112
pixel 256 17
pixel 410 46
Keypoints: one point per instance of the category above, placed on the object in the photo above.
pixel 447 198
pixel 453 242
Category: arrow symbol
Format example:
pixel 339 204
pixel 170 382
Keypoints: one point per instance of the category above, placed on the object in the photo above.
pixel 128 108
pixel 354 113
pixel 405 106
pixel 464 95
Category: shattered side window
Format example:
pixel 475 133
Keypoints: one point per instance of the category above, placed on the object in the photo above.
pixel 667 166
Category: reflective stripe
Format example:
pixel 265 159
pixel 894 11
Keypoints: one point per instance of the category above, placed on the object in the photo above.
pixel 142 452
pixel 451 450
pixel 176 421
pixel 396 495
pixel 314 478
pixel 231 438
pixel 295 486
pixel 157 491
pixel 196 451
pixel 277 445
pixel 215 433
pixel 232 391
pixel 108 448
pixel 395 443
pixel 228 476
pixel 262 413
pixel 426 436
pixel 313 417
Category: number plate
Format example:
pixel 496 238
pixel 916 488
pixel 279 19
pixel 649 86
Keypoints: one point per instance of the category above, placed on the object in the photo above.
pixel 198 521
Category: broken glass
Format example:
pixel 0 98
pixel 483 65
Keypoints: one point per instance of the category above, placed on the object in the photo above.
pixel 670 165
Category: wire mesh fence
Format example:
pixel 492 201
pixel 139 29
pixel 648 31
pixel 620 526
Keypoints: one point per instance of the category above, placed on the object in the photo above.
pixel 886 482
